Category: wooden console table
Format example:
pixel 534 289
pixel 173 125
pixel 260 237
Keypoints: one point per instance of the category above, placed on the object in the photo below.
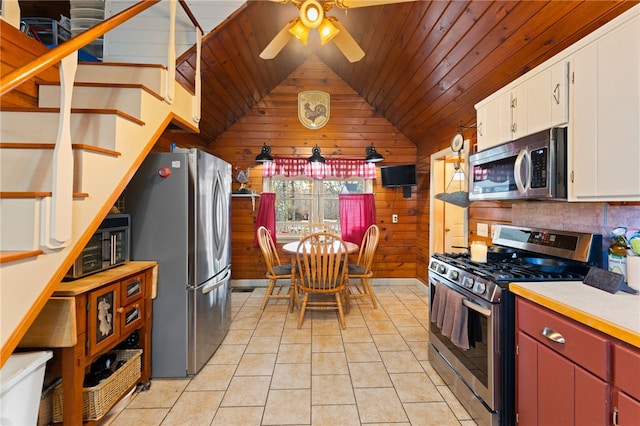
pixel 87 318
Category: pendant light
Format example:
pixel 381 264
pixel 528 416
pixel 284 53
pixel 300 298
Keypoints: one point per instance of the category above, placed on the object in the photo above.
pixel 265 154
pixel 315 155
pixel 373 156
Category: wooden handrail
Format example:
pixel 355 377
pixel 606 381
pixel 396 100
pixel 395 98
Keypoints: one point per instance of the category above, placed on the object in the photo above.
pixel 193 19
pixel 54 56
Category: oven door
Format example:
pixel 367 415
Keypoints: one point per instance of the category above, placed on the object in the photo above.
pixel 478 367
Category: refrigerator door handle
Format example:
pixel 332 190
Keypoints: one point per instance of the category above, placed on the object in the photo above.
pixel 209 287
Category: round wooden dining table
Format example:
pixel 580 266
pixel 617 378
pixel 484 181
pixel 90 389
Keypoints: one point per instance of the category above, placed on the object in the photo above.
pixel 292 247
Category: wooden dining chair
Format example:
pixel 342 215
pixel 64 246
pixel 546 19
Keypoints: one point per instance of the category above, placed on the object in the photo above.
pixel 312 228
pixel 277 272
pixel 359 273
pixel 321 263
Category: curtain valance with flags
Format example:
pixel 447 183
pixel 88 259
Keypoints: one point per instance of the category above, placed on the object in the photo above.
pixel 338 167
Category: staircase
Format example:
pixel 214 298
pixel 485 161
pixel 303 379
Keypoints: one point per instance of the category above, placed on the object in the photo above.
pixel 118 113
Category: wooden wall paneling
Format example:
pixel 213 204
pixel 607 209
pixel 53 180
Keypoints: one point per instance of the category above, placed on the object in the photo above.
pixel 274 120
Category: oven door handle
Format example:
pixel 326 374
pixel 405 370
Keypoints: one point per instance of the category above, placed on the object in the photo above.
pixel 479 309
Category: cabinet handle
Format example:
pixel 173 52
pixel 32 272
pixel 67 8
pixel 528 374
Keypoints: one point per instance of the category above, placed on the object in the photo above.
pixel 614 417
pixel 556 94
pixel 120 310
pixel 514 127
pixel 480 128
pixel 552 335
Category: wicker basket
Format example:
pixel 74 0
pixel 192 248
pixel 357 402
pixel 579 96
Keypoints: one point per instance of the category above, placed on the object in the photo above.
pixel 98 400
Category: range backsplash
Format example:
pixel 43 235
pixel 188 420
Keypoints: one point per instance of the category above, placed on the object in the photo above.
pixel 597 218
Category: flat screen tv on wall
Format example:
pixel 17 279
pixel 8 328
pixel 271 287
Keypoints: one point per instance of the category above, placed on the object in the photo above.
pixel 399 176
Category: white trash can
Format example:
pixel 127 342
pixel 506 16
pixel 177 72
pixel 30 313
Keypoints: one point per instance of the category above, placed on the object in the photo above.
pixel 21 380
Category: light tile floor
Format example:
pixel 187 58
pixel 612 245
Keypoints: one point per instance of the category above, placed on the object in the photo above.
pixel 268 372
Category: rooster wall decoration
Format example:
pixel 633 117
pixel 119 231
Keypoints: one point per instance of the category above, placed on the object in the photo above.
pixel 313 108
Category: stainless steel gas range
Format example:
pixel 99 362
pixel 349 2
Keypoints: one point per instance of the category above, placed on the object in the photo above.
pixel 478 362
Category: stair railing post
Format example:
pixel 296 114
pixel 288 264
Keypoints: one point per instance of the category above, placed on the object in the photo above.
pixel 171 54
pixel 196 102
pixel 59 215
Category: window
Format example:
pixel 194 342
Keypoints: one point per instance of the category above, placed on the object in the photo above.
pixel 308 192
pixel 301 200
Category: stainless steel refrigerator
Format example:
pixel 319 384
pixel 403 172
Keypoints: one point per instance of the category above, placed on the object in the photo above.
pixel 179 204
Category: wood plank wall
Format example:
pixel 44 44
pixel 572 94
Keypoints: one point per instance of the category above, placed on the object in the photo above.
pixel 352 126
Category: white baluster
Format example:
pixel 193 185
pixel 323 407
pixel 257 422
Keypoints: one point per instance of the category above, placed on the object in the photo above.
pixel 198 84
pixel 171 54
pixel 62 183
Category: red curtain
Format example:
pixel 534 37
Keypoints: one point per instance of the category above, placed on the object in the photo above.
pixel 357 213
pixel 266 216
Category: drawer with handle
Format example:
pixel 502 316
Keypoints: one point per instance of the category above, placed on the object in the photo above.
pixel 585 347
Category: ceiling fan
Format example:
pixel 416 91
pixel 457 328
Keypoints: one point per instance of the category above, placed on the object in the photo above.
pixel 313 15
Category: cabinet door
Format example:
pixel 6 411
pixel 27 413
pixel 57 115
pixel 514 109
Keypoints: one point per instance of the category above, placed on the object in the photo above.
pixel 592 399
pixel 605 130
pixel 560 94
pixel 555 388
pixel 526 380
pixel 627 412
pixel 103 325
pixel 497 121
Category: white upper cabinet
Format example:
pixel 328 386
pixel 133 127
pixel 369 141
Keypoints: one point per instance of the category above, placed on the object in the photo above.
pixel 494 122
pixel 593 88
pixel 541 101
pixel 604 131
pixel 536 101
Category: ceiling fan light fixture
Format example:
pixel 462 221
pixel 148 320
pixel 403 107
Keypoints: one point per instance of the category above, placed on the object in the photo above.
pixel 327 31
pixel 300 31
pixel 311 13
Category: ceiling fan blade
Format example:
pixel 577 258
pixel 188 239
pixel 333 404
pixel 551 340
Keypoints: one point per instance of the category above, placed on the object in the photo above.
pixel 279 41
pixel 348 4
pixel 346 43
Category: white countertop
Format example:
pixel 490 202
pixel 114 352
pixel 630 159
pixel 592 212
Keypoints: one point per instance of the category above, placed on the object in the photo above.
pixel 615 314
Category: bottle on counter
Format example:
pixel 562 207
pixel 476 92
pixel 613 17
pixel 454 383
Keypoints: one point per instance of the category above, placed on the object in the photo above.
pixel 618 252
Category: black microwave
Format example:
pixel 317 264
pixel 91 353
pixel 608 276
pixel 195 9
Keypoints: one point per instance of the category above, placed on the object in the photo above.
pixel 107 248
pixel 533 167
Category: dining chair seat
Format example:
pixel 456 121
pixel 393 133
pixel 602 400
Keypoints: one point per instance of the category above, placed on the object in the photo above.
pixel 283 269
pixel 360 273
pixel 356 270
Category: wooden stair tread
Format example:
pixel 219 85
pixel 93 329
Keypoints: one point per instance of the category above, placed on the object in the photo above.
pixel 111 85
pixel 77 111
pixel 36 194
pixel 122 64
pixel 12 256
pixel 76 146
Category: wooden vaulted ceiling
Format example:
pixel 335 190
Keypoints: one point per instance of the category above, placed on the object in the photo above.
pixel 426 64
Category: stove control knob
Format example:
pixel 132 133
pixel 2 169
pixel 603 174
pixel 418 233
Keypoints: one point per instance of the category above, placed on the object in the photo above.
pixel 454 275
pixel 469 282
pixel 442 269
pixel 480 288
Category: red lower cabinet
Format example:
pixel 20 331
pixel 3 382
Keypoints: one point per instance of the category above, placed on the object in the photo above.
pixel 626 382
pixel 563 370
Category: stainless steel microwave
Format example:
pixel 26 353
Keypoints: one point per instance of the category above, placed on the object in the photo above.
pixel 533 167
pixel 107 248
